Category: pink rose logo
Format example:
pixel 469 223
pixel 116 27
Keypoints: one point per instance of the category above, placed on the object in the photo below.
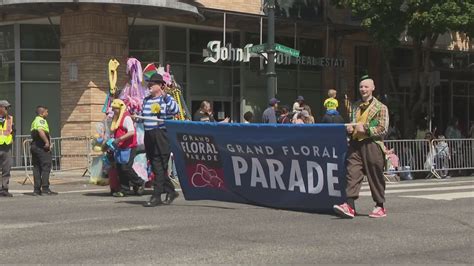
pixel 205 177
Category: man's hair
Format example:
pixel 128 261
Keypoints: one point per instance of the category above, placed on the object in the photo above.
pixel 285 109
pixel 203 104
pixel 332 93
pixel 40 109
pixel 248 116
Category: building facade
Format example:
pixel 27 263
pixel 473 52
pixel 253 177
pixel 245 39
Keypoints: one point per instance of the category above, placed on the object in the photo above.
pixel 55 53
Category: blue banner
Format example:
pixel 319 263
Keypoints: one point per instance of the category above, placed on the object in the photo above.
pixel 296 167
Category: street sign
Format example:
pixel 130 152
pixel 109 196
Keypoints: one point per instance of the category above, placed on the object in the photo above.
pixel 286 50
pixel 259 48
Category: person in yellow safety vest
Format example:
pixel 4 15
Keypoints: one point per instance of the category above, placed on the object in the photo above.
pixel 6 141
pixel 41 152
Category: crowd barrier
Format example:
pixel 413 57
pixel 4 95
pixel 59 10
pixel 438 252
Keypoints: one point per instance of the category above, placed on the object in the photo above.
pixel 68 154
pixel 436 157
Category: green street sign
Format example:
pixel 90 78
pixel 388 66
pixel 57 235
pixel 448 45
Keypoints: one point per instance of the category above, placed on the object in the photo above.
pixel 287 50
pixel 259 48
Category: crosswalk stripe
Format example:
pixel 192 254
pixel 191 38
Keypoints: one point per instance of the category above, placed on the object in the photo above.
pixel 445 196
pixel 365 186
pixel 388 191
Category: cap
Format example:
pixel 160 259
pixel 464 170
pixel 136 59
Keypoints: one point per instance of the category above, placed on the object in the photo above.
pixel 365 77
pixel 157 78
pixel 4 103
pixel 300 98
pixel 273 101
pixel 305 113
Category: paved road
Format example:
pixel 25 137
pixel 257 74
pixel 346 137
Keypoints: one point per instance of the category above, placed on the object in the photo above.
pixel 428 222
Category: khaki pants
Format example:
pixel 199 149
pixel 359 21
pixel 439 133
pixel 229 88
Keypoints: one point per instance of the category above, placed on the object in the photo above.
pixel 365 158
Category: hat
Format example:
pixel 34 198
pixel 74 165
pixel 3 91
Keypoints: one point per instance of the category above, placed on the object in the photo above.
pixel 273 101
pixel 300 98
pixel 5 103
pixel 365 77
pixel 305 113
pixel 156 78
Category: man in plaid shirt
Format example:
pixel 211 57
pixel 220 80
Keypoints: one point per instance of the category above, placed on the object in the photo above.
pixel 366 151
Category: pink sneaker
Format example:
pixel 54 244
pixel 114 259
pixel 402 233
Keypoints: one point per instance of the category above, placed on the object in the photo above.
pixel 344 211
pixel 378 212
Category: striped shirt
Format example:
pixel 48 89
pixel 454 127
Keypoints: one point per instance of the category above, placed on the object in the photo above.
pixel 157 107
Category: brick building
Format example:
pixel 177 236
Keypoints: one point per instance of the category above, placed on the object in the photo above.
pixel 56 53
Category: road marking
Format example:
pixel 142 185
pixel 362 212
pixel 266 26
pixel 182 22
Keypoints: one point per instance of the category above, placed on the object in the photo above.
pixel 365 186
pixel 445 196
pixel 388 191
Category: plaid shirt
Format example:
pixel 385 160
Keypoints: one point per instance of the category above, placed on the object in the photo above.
pixel 378 119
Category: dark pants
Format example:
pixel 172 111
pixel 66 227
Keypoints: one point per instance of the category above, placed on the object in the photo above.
pixel 6 164
pixel 158 153
pixel 42 161
pixel 127 174
pixel 365 158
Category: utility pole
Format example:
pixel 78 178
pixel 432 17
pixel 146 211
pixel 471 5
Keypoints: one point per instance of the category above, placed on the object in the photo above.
pixel 271 73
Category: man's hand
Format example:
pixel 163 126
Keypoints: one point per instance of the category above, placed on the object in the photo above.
pixel 47 146
pixel 359 128
pixel 350 129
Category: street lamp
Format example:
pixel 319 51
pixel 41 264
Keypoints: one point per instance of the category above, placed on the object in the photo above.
pixel 271 73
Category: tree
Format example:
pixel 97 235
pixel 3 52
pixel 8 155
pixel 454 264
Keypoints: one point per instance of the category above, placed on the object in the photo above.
pixel 421 20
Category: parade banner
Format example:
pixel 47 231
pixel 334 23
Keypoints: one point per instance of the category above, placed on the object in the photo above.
pixel 296 167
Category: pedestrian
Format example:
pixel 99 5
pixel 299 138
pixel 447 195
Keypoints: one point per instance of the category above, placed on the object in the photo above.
pixel 284 117
pixel 125 140
pixel 159 105
pixel 269 115
pixel 452 131
pixel 443 156
pixel 41 152
pixel 248 117
pixel 7 131
pixel 366 152
pixel 204 113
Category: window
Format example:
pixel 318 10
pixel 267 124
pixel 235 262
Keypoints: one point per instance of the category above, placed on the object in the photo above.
pixel 41 94
pixel 39 37
pixel 144 42
pixel 7 64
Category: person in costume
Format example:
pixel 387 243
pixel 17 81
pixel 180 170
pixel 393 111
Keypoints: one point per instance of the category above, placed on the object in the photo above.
pixel 41 152
pixel 366 151
pixel 125 139
pixel 6 141
pixel 159 105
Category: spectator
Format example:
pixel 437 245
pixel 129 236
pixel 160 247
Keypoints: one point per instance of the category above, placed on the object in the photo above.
pixel 304 118
pixel 248 117
pixel 269 115
pixel 284 117
pixel 331 103
pixel 442 156
pixel 298 105
pixel 471 130
pixel 204 114
pixel 453 132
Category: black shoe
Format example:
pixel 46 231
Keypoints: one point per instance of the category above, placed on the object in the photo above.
pixel 36 193
pixel 170 197
pixel 139 190
pixel 5 193
pixel 153 202
pixel 49 193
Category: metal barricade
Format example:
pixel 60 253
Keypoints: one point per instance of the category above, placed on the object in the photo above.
pixel 68 154
pixel 434 157
pixel 17 152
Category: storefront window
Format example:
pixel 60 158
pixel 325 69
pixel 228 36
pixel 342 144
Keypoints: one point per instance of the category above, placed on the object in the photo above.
pixel 7 65
pixel 7 92
pixel 211 81
pixel 144 38
pixel 39 37
pixel 6 38
pixel 34 94
pixel 175 39
pixel 40 72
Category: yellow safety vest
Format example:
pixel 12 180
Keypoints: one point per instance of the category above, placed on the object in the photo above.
pixel 6 136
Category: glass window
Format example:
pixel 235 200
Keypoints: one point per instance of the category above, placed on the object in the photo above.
pixel 7 56
pixel 310 80
pixel 40 56
pixel 7 72
pixel 6 37
pixel 286 79
pixel 179 73
pixel 41 94
pixel 311 47
pixel 211 81
pixel 254 79
pixel 287 97
pixel 7 92
pixel 144 38
pixel 147 56
pixel 40 72
pixel 199 39
pixel 315 101
pixel 175 57
pixel 175 39
pixel 39 36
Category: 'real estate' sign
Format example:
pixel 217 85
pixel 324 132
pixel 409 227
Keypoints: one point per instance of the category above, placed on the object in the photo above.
pixel 280 166
pixel 215 52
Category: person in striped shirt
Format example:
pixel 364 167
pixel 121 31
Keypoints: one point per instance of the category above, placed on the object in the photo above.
pixel 159 105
